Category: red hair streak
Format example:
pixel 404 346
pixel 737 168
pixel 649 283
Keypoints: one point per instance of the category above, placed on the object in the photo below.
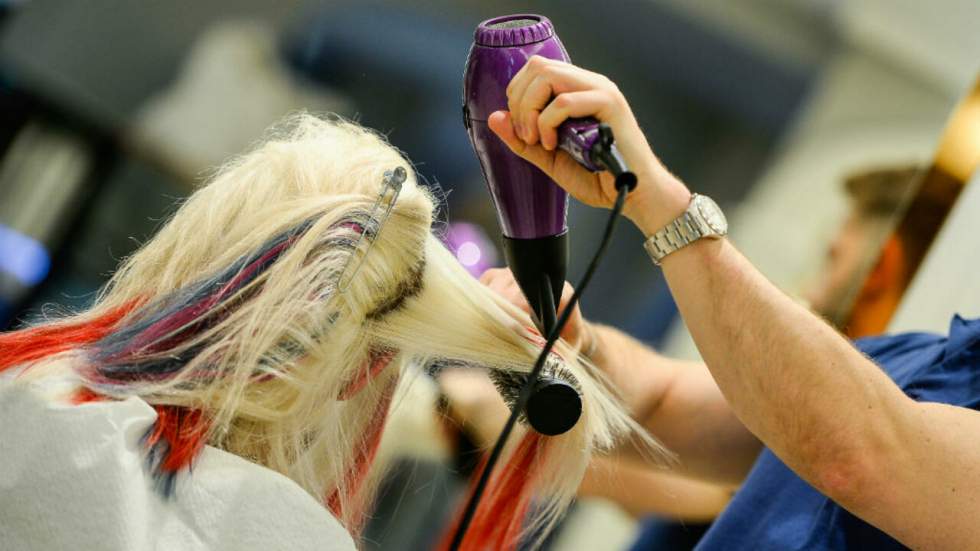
pixel 180 433
pixel 366 451
pixel 182 430
pixel 85 395
pixel 499 519
pixel 29 345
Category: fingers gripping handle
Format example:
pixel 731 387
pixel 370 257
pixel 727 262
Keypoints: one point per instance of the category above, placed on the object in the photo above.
pixel 577 137
pixel 592 144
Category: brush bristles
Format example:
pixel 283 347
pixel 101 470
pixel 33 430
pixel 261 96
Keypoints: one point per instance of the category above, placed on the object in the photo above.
pixel 510 383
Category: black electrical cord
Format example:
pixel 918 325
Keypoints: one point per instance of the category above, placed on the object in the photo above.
pixel 625 181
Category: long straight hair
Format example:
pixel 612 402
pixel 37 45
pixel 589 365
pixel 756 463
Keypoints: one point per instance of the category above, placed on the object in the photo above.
pixel 230 322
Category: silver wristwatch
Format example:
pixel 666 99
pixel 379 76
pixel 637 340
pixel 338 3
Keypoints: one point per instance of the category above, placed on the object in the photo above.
pixel 703 218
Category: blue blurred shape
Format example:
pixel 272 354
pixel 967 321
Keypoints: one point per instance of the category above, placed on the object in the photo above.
pixel 23 256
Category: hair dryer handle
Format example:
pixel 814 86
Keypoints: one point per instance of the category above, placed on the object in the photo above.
pixel 591 144
pixel 577 138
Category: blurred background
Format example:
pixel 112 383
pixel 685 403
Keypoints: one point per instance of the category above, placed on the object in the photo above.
pixel 112 111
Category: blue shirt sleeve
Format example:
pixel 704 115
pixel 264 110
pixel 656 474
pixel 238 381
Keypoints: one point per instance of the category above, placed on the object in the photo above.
pixel 931 368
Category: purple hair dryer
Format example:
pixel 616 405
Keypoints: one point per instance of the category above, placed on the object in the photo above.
pixel 530 207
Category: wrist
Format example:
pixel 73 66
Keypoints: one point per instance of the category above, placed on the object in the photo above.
pixel 656 203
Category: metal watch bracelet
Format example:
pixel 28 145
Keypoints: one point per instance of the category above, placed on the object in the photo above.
pixel 702 218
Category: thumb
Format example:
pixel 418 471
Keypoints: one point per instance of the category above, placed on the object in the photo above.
pixel 501 124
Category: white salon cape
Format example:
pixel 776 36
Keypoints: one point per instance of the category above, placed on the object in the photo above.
pixel 73 477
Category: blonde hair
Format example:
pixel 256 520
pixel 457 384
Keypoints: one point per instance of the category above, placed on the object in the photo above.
pixel 232 310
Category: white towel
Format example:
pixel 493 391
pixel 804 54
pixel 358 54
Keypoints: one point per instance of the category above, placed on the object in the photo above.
pixel 73 477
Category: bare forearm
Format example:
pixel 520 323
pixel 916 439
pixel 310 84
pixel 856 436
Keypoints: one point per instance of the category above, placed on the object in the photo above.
pixel 792 380
pixel 680 404
pixel 643 491
pixel 640 375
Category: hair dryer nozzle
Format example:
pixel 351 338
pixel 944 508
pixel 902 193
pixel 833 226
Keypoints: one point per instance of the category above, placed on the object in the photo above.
pixel 539 267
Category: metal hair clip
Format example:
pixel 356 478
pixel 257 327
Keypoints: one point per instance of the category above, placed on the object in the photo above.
pixel 391 186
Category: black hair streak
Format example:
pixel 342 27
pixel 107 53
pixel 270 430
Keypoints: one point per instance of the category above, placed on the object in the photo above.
pixel 407 288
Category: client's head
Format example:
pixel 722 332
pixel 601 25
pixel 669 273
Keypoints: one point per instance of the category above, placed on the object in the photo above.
pixel 273 314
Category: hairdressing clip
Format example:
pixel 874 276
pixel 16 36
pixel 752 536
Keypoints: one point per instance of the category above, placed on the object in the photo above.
pixel 390 188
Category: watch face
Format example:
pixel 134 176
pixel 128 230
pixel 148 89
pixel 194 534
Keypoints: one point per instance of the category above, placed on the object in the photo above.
pixel 711 213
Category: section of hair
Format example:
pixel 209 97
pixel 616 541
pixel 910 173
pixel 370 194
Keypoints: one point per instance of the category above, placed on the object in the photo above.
pixel 240 336
pixel 149 347
pixel 498 522
pixel 175 439
pixel 36 343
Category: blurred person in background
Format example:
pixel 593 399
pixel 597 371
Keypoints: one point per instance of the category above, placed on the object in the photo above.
pixel 867 266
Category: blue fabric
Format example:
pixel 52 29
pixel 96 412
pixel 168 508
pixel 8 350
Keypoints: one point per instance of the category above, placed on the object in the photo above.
pixel 775 509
